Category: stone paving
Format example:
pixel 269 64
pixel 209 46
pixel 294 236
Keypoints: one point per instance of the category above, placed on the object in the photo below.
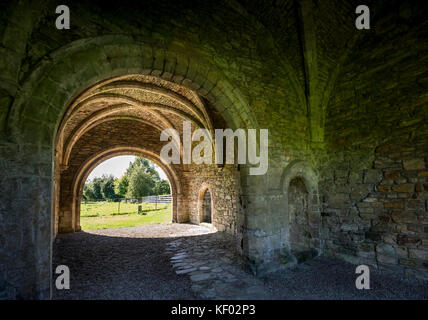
pixel 216 272
pixel 185 261
pixel 214 268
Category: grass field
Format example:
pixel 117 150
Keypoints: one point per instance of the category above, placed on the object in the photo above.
pixel 106 215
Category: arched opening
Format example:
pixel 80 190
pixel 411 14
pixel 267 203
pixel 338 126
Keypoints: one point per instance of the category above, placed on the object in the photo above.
pixel 123 105
pixel 124 115
pixel 298 202
pixel 124 191
pixel 127 116
pixel 92 163
pixel 206 207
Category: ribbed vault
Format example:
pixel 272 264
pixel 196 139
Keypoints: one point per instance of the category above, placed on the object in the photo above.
pixel 122 115
pixel 148 99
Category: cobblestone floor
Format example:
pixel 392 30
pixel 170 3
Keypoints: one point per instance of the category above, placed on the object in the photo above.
pixel 214 268
pixel 183 261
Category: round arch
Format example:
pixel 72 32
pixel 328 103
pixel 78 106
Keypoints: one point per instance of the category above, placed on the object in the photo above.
pixel 294 171
pixel 36 113
pixel 205 187
pixel 300 169
pixel 91 123
pixel 87 167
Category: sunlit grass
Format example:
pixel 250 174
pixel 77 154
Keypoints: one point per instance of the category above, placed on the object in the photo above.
pixel 106 215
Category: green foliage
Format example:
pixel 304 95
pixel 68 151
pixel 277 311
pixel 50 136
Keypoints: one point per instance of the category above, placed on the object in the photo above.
pixel 144 165
pixel 141 179
pixel 107 188
pixel 121 185
pixel 141 184
pixel 92 190
pixel 161 187
pixel 100 188
pixel 88 192
pixel 144 180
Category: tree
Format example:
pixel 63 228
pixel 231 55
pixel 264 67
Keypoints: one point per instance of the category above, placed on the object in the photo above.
pixel 145 165
pixel 96 185
pixel 107 187
pixel 140 179
pixel 100 188
pixel 161 187
pixel 88 192
pixel 141 183
pixel 121 185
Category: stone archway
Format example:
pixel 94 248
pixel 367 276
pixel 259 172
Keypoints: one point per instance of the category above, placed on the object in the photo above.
pixel 298 207
pixel 126 115
pixel 37 120
pixel 88 166
pixel 205 205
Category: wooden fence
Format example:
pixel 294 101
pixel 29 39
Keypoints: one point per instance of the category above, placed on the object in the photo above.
pixel 148 199
pixel 157 199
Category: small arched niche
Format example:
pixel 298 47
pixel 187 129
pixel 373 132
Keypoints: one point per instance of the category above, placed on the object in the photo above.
pixel 298 205
pixel 301 219
pixel 205 205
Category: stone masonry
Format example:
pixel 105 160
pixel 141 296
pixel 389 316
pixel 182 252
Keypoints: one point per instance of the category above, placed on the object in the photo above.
pixel 346 111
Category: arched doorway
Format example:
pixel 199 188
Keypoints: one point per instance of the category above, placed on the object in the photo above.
pixel 125 191
pixel 298 199
pixel 93 162
pixel 206 207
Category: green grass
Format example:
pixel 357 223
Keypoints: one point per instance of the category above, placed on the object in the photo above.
pixel 106 215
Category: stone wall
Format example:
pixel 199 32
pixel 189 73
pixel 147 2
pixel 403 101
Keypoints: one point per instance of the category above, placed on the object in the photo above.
pixel 222 184
pixel 372 178
pixel 378 216
pixel 331 96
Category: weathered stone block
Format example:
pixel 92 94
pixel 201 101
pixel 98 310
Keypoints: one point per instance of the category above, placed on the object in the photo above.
pixel 392 175
pixel 407 262
pixel 404 217
pixel 408 187
pixel 341 174
pixel 355 177
pixel 415 205
pixel 349 227
pixel 414 164
pixel 405 240
pixel 385 249
pixel 384 189
pixel 373 176
pixel 393 205
pixel 418 254
pixel 360 191
pixel 381 258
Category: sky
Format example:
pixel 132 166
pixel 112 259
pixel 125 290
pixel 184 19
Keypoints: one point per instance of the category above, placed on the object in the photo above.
pixel 117 167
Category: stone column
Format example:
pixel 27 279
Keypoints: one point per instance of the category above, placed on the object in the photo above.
pixel 25 221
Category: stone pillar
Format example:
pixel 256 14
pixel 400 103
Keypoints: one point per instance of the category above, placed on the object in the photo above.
pixel 25 221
